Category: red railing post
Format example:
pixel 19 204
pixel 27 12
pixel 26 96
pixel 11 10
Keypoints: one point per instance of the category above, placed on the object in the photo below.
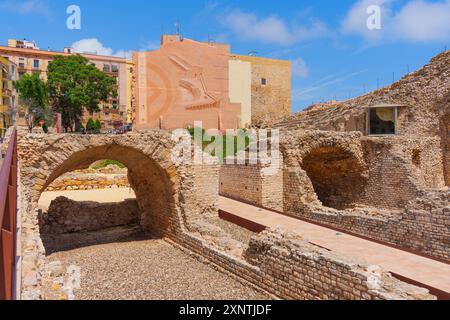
pixel 8 220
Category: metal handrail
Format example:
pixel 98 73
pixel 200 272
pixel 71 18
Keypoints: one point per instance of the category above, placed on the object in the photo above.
pixel 8 219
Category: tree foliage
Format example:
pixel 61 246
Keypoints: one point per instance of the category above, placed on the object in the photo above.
pixel 90 125
pixel 98 125
pixel 33 93
pixel 76 85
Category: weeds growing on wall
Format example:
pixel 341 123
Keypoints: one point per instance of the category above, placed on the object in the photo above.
pixel 225 152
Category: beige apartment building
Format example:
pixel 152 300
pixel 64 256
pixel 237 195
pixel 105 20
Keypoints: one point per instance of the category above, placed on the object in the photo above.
pixel 8 97
pixel 30 59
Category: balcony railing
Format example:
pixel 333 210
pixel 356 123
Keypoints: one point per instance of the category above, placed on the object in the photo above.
pixel 8 220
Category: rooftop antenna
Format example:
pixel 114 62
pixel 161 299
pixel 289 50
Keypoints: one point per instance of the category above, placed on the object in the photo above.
pixel 211 40
pixel 178 29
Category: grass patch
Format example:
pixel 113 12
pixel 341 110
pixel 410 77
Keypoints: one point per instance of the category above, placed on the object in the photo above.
pixel 104 163
pixel 226 152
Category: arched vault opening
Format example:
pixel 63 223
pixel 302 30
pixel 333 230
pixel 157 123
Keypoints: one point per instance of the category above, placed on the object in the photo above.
pixel 153 188
pixel 336 175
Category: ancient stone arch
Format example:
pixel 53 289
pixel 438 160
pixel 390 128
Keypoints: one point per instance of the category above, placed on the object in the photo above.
pixel 336 175
pixel 160 184
pixel 155 191
pixel 323 166
pixel 172 196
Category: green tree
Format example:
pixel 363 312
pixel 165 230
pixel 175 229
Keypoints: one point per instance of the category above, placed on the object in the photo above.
pixel 33 93
pixel 90 125
pixel 98 125
pixel 75 86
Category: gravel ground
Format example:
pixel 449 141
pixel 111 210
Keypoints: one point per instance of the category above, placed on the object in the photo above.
pixel 146 269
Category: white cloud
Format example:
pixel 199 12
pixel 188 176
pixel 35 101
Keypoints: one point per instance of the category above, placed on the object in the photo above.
pixel 356 20
pixel 94 46
pixel 26 7
pixel 331 80
pixel 421 21
pixel 272 29
pixel 151 45
pixel 416 21
pixel 299 68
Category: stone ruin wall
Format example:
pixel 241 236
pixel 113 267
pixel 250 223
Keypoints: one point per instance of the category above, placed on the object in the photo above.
pixel 394 170
pixel 68 216
pixel 424 93
pixel 88 181
pixel 445 135
pixel 271 101
pixel 248 183
pixel 284 265
pixel 291 268
pixel 400 174
pixel 399 169
pixel 423 227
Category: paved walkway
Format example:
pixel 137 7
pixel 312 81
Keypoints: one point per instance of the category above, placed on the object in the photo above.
pixel 427 271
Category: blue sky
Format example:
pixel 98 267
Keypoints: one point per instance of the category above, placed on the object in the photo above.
pixel 334 54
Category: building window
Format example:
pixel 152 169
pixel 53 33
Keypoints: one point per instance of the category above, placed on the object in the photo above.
pixel 382 121
pixel 115 68
pixel 36 64
pixel 263 81
pixel 106 68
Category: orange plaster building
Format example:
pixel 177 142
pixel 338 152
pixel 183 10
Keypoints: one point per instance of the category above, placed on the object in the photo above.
pixel 183 82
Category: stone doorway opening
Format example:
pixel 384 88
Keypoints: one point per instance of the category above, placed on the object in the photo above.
pixel 107 187
pixel 87 207
pixel 336 175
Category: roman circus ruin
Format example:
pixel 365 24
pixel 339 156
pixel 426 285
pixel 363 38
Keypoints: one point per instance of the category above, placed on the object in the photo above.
pixel 376 166
pixel 180 203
